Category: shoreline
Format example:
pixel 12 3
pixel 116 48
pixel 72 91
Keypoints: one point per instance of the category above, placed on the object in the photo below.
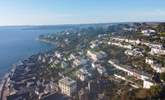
pixel 8 75
pixel 46 41
pixel 11 66
pixel 4 80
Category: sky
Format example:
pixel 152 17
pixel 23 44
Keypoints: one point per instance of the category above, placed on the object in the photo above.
pixel 54 12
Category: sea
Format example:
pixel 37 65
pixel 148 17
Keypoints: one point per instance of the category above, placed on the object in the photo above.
pixel 18 43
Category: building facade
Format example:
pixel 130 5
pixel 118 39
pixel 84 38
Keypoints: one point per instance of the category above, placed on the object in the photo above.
pixel 67 86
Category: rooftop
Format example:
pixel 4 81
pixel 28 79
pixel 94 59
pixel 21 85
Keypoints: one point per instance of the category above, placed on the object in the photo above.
pixel 68 81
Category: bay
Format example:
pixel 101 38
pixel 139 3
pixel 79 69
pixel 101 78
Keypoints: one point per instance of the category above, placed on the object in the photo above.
pixel 17 44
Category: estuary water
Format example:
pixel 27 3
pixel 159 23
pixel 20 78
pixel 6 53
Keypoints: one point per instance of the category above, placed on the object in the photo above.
pixel 17 44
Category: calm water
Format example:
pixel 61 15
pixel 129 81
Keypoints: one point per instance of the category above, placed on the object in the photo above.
pixel 17 44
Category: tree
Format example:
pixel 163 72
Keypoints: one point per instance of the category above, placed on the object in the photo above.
pixel 162 76
pixel 161 27
pixel 155 90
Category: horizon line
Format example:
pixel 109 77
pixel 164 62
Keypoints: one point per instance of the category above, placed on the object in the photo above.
pixel 23 25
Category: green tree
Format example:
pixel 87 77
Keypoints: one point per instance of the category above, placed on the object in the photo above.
pixel 162 76
pixel 155 90
pixel 161 27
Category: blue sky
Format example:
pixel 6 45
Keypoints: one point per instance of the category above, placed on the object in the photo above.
pixel 48 12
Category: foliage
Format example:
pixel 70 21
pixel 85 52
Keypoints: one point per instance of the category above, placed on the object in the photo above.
pixel 161 27
pixel 162 34
pixel 162 76
pixel 155 90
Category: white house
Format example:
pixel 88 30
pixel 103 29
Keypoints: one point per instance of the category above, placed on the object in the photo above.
pixel 133 53
pixel 149 61
pixel 78 62
pixel 94 44
pixel 155 66
pixel 157 51
pixel 101 70
pixel 120 45
pixel 147 84
pixel 158 68
pixel 71 57
pixel 57 54
pixel 148 32
pixel 83 74
pixel 96 55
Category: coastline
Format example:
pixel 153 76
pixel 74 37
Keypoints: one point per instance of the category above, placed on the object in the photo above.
pixel 46 41
pixel 4 81
pixel 38 39
pixel 14 65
